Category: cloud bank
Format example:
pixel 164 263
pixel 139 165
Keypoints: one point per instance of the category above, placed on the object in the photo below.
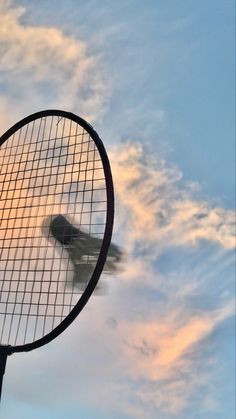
pixel 146 349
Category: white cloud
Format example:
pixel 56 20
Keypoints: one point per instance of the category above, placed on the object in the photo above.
pixel 41 67
pixel 158 209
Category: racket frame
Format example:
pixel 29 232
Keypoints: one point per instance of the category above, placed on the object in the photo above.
pixel 8 349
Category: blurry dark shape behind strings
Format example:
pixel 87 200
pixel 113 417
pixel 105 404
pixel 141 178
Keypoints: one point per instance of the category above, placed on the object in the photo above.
pixel 83 250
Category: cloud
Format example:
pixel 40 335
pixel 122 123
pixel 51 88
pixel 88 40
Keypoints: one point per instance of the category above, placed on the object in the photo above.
pixel 135 368
pixel 158 208
pixel 40 66
pixel 165 321
pixel 160 347
pixel 159 324
pixel 158 212
pixel 147 349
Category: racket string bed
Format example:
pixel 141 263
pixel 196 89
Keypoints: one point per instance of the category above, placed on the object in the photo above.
pixel 49 167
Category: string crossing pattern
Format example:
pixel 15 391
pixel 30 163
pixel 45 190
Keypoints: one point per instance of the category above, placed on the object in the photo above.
pixel 51 174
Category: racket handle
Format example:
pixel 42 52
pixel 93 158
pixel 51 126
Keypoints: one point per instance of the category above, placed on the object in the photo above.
pixel 4 352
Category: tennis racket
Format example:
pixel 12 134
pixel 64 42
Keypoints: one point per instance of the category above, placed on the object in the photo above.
pixel 56 219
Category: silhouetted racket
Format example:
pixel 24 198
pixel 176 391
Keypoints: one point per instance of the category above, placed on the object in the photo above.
pixel 56 218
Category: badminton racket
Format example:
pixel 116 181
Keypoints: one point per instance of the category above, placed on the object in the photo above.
pixel 56 219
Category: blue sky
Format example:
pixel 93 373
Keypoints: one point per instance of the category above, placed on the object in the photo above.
pixel 180 56
pixel 156 80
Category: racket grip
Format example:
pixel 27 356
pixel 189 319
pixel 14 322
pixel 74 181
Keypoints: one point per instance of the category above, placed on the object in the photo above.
pixel 4 352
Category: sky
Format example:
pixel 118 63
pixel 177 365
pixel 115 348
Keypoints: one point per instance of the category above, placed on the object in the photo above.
pixel 156 80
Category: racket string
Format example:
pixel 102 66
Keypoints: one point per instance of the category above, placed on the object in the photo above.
pixel 48 167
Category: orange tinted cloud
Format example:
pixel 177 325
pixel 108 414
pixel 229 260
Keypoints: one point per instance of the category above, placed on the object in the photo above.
pixel 38 59
pixel 158 210
pixel 158 349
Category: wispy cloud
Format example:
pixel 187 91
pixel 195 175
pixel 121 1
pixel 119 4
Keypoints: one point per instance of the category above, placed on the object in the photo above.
pixel 160 208
pixel 42 67
pixel 160 347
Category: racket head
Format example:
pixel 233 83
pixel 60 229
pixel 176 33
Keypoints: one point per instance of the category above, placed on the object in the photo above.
pixel 62 140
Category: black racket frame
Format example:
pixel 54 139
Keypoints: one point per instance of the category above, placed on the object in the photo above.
pixel 6 350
